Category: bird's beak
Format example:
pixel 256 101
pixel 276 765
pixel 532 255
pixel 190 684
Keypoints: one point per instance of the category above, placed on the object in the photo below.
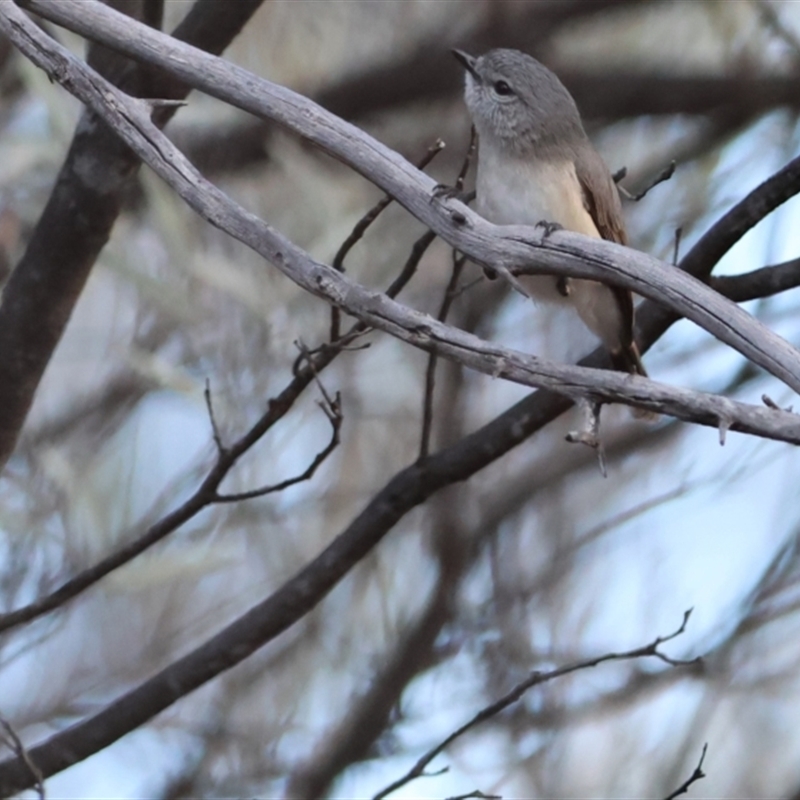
pixel 468 62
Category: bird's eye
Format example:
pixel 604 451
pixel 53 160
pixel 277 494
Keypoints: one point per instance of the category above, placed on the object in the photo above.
pixel 502 88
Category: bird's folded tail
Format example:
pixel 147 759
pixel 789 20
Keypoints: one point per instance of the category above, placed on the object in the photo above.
pixel 628 359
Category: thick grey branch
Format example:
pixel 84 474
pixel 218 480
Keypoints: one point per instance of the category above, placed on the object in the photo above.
pixel 506 246
pixel 77 220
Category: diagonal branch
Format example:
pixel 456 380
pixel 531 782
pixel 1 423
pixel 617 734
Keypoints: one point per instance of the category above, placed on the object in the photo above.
pixel 536 679
pixel 291 602
pixel 697 775
pixel 204 496
pixel 576 255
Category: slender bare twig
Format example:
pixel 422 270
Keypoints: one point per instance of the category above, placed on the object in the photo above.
pixel 430 371
pixel 444 309
pixel 573 254
pixel 212 419
pixel 204 496
pixel 697 775
pixel 361 226
pixel 418 249
pixel 662 176
pixel 332 409
pixel 360 229
pixel 14 743
pixel 536 679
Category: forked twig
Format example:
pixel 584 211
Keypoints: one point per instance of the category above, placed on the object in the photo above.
pixel 14 743
pixel 662 176
pixel 535 679
pixel 332 408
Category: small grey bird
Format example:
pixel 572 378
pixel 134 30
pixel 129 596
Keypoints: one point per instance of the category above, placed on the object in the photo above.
pixel 536 165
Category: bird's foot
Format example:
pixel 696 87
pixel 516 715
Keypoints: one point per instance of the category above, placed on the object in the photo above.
pixel 549 227
pixel 444 192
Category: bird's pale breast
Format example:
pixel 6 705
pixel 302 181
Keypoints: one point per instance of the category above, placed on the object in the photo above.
pixel 514 191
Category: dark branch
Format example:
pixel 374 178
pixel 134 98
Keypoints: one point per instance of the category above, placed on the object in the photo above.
pixel 75 225
pixel 759 283
pixel 697 775
pixel 14 743
pixel 333 412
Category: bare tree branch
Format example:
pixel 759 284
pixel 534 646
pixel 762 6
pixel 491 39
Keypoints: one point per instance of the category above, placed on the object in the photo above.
pixel 76 223
pixel 697 775
pixel 763 282
pixel 14 743
pixel 204 496
pixel 492 245
pixel 536 679
pixel 406 490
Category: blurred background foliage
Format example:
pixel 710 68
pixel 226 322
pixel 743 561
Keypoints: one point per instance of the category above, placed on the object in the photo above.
pixel 535 561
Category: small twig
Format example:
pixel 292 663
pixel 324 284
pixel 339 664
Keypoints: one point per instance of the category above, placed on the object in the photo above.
pixel 589 432
pixel 676 248
pixel 332 409
pixel 462 173
pixel 300 345
pixel 697 775
pixel 447 301
pixel 467 286
pixel 361 228
pixel 662 176
pixel 329 350
pixel 15 745
pixel 213 419
pixel 535 679
pixel 412 262
pixel 433 360
pixel 478 794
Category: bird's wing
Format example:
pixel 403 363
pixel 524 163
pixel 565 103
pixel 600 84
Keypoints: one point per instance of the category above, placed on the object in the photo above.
pixel 600 195
pixel 601 200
